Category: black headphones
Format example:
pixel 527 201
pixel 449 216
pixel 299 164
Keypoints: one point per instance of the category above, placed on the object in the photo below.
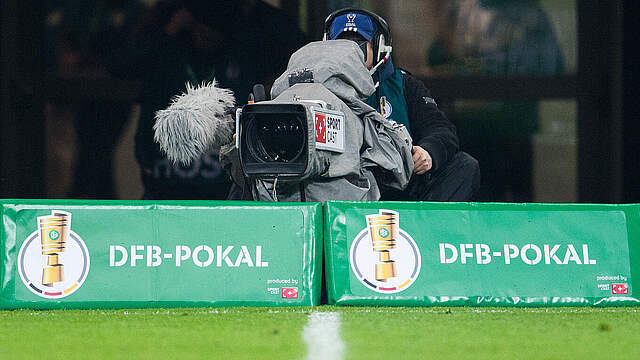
pixel 381 39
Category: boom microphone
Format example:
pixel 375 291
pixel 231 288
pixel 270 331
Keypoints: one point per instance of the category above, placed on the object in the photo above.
pixel 194 122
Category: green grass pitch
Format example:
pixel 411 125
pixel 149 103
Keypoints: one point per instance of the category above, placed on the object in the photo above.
pixel 366 333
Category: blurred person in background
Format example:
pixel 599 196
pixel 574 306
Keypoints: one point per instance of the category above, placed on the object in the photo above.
pixel 441 171
pixel 83 132
pixel 498 38
pixel 237 43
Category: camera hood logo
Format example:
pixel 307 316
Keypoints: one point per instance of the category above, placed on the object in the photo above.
pixel 384 257
pixel 53 261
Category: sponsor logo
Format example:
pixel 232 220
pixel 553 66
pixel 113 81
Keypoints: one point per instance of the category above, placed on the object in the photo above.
pixel 329 126
pixel 428 100
pixel 384 257
pixel 201 256
pixel 530 254
pixel 620 289
pixel 53 261
pixel 289 292
pixel 351 20
pixel 321 128
pixel 206 166
pixel 385 107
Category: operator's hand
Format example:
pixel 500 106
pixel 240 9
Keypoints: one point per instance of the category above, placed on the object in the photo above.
pixel 422 161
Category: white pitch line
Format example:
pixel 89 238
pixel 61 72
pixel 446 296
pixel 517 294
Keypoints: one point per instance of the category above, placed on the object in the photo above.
pixel 322 335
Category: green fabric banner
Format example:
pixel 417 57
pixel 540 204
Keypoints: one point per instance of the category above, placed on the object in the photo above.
pixel 493 254
pixel 114 254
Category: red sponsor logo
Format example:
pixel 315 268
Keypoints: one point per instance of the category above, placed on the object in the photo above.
pixel 622 289
pixel 321 128
pixel 289 292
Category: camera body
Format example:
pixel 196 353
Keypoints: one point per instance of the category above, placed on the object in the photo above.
pixel 287 139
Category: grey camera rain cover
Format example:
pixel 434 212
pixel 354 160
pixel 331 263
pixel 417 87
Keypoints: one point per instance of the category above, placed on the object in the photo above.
pixel 339 66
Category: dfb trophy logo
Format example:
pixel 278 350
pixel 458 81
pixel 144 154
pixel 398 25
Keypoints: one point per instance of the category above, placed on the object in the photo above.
pixel 383 256
pixel 53 261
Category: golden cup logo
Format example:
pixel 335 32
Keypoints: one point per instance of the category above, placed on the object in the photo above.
pixel 54 233
pixel 383 232
pixel 383 256
pixel 53 261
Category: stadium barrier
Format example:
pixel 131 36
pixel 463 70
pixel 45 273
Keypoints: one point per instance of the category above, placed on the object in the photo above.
pixel 118 254
pixel 481 254
pixel 115 254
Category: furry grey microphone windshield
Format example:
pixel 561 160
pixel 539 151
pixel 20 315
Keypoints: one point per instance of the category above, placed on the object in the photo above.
pixel 194 122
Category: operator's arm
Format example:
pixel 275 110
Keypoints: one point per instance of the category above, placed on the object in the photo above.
pixel 430 128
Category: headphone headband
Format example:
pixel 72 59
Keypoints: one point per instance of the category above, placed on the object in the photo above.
pixel 381 40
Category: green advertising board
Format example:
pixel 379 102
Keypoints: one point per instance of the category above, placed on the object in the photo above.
pixel 115 254
pixel 481 254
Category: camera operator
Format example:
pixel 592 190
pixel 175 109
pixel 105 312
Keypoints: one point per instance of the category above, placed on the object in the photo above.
pixel 441 171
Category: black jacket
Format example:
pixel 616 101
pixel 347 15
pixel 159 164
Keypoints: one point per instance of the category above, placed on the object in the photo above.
pixel 430 128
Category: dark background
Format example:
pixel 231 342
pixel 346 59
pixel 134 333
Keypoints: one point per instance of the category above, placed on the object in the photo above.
pixel 604 87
